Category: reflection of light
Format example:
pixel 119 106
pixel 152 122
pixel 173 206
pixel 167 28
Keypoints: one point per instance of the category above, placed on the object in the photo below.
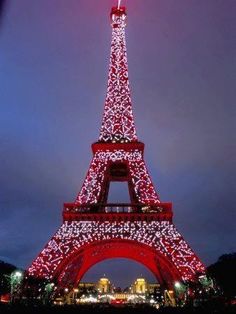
pixel 109 296
pixel 89 299
pixel 136 296
pixel 58 303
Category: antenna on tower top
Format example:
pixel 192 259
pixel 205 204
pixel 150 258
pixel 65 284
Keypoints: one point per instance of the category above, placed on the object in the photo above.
pixel 118 6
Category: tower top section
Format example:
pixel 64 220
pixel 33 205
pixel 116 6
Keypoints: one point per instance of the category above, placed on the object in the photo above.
pixel 118 16
pixel 118 122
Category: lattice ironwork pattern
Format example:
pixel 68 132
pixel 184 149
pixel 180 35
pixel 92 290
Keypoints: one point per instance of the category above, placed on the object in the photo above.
pixel 118 122
pixel 94 182
pixel 75 236
pixel 117 145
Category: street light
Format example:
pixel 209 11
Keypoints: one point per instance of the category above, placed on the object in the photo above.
pixel 177 285
pixel 16 278
pixel 48 294
pixel 180 292
pixel 18 274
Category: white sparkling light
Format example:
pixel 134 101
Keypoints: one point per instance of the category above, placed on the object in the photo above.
pixel 76 235
pixel 177 284
pixel 118 122
pixel 117 127
pixel 94 181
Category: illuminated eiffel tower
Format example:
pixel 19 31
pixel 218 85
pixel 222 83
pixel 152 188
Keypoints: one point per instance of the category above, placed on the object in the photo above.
pixel 93 230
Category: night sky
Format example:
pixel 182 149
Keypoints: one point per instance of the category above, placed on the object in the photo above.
pixel 53 74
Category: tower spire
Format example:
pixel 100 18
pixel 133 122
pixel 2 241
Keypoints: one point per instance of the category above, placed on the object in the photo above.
pixel 118 122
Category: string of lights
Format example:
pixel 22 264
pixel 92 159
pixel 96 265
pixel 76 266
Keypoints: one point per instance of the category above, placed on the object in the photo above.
pixel 75 236
pixel 94 182
pixel 118 121
pixel 117 145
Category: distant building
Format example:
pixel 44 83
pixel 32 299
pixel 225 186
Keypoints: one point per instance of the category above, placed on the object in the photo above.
pixel 104 285
pixel 140 286
pixel 153 288
pixel 87 287
pixel 141 291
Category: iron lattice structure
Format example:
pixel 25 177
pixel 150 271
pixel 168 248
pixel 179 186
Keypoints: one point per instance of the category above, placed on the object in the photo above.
pixel 118 121
pixel 94 230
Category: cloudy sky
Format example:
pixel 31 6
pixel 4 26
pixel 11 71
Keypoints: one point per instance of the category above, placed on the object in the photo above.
pixel 53 74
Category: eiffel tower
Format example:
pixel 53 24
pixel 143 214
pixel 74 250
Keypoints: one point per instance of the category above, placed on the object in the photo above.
pixel 94 230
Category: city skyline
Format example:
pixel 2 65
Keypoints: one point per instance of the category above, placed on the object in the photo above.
pixel 54 92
